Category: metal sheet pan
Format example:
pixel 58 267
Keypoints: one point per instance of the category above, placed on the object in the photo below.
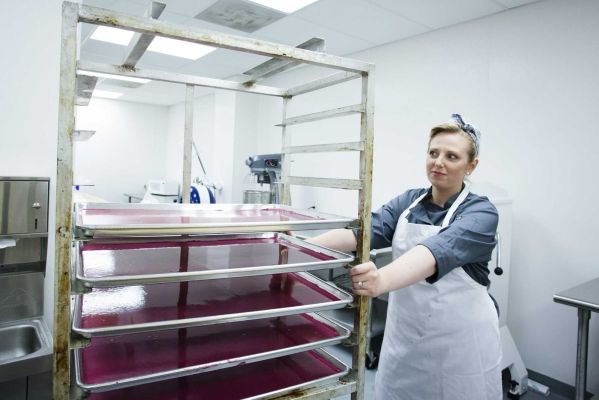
pixel 131 360
pixel 112 219
pixel 260 380
pixel 111 262
pixel 133 309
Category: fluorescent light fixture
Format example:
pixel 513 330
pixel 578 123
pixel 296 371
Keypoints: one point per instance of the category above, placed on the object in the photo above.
pixel 112 35
pixel 106 94
pixel 286 6
pixel 179 48
pixel 111 76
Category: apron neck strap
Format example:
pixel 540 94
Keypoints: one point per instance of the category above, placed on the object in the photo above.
pixel 452 209
pixel 456 204
pixel 414 204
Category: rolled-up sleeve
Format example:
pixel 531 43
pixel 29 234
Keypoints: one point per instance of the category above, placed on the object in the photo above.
pixel 470 238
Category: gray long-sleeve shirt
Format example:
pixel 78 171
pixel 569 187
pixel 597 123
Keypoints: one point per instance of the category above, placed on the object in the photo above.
pixel 466 242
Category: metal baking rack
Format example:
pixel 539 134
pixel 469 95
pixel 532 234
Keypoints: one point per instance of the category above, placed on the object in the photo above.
pixel 336 380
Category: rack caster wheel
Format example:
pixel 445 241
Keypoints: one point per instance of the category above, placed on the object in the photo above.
pixel 372 361
pixel 512 393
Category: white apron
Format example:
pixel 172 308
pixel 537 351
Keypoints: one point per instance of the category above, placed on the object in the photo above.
pixel 441 340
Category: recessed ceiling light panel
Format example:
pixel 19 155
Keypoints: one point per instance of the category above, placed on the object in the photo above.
pixel 117 83
pixel 106 94
pixel 241 15
pixel 112 35
pixel 179 48
pixel 286 6
pixel 117 77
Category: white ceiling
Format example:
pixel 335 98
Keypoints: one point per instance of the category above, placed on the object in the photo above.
pixel 347 26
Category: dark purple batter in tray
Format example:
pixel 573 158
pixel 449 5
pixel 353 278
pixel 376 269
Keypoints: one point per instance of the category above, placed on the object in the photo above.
pixel 101 259
pixel 114 358
pixel 232 383
pixel 132 216
pixel 106 307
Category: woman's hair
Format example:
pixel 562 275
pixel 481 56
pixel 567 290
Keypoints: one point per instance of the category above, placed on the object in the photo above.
pixel 450 127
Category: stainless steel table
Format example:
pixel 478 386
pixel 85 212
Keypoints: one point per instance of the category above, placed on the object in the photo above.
pixel 134 196
pixel 585 297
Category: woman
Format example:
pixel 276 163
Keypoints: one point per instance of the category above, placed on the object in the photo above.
pixel 442 336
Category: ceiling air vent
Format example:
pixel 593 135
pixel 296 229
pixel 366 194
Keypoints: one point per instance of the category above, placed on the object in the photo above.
pixel 240 15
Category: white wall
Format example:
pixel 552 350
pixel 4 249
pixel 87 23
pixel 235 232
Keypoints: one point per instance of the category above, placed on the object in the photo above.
pixel 213 133
pixel 225 133
pixel 127 149
pixel 245 142
pixel 29 66
pixel 224 142
pixel 203 133
pixel 528 79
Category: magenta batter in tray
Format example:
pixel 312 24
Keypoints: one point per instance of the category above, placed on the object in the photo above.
pixel 101 259
pixel 108 360
pixel 209 301
pixel 236 383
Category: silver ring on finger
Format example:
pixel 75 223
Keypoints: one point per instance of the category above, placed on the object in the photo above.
pixel 360 284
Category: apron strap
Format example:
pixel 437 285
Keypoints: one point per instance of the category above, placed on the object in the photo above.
pixel 414 204
pixel 452 209
pixel 456 204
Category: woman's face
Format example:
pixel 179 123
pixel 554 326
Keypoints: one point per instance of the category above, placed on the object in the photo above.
pixel 447 162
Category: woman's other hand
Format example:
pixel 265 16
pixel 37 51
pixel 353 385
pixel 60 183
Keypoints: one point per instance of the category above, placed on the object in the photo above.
pixel 366 280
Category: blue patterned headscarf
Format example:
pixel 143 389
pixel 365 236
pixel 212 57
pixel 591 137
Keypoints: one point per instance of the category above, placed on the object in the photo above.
pixel 469 129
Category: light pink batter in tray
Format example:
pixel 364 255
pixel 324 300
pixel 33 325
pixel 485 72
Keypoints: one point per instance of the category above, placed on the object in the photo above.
pixel 133 217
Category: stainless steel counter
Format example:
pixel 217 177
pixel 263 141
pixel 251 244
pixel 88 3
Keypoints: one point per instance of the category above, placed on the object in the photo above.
pixel 585 297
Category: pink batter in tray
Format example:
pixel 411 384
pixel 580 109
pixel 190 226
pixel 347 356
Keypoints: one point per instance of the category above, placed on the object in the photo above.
pixel 130 309
pixel 109 361
pixel 106 219
pixel 186 216
pixel 242 382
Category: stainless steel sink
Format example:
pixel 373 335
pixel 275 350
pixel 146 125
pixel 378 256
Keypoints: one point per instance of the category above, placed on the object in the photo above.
pixel 18 341
pixel 25 348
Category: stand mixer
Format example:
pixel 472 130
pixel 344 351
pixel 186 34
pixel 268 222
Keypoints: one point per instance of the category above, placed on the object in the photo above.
pixel 264 169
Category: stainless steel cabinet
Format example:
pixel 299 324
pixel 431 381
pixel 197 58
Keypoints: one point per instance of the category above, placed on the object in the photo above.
pixel 34 387
pixel 23 206
pixel 14 390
